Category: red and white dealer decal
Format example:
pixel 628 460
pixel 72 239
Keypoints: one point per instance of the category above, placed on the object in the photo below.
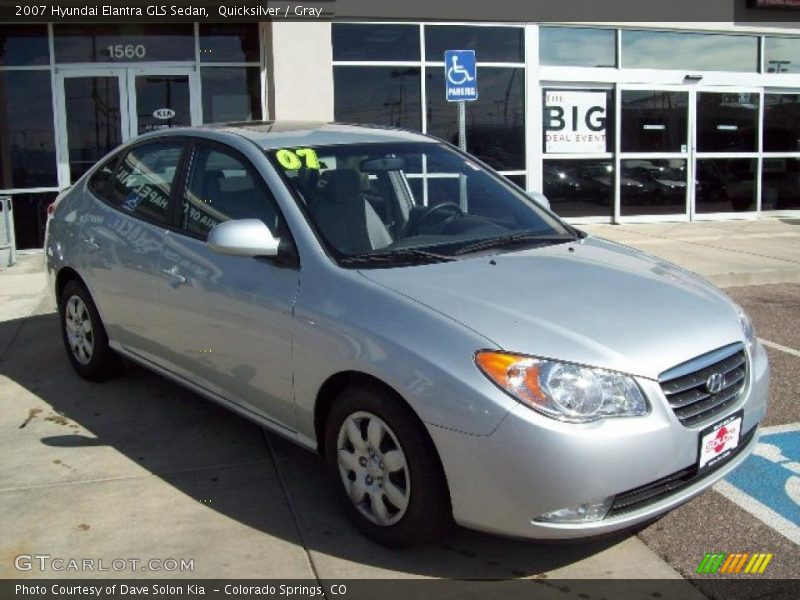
pixel 718 443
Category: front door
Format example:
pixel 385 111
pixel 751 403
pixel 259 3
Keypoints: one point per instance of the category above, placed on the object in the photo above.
pixel 99 109
pixel 226 321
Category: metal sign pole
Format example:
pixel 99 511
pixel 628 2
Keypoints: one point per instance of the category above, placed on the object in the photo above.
pixel 462 125
pixel 462 143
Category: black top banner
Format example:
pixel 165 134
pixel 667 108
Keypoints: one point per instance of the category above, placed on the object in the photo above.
pixel 783 12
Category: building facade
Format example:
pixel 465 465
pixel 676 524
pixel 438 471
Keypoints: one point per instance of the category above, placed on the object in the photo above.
pixel 613 123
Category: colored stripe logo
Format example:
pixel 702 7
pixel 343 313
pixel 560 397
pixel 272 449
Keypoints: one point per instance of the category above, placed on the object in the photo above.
pixel 735 563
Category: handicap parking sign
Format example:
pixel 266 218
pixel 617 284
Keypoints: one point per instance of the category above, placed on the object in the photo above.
pixel 460 75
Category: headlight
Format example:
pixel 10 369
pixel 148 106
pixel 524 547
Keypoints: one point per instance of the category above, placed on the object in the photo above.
pixel 563 391
pixel 747 327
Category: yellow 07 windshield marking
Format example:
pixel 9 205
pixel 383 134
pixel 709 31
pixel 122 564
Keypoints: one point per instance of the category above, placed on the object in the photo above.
pixel 292 160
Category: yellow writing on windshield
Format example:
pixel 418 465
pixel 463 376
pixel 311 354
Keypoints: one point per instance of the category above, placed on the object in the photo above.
pixel 295 159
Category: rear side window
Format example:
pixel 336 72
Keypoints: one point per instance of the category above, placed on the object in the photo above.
pixel 221 188
pixel 100 183
pixel 142 183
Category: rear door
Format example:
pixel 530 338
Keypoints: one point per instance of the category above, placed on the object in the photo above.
pixel 227 320
pixel 122 238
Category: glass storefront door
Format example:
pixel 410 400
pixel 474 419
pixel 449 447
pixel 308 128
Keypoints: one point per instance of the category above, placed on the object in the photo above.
pixel 94 119
pixel 99 109
pixel 159 101
pixel 687 151
pixel 654 151
pixel 726 151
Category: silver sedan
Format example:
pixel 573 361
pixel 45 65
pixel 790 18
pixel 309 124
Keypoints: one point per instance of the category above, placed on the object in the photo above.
pixel 452 348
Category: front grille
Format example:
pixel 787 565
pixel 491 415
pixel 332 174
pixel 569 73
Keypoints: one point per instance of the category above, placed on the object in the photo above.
pixel 671 484
pixel 686 389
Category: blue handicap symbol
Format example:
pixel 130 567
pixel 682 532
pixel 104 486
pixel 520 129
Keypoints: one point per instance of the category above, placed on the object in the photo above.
pixel 771 474
pixel 461 75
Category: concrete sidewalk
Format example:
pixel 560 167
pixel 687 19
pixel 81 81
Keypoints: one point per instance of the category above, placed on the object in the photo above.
pixel 727 253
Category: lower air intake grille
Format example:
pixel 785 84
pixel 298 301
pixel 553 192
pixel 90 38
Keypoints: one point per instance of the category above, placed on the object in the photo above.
pixel 671 484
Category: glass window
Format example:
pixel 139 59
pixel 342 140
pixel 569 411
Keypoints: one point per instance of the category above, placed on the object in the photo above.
pixel 577 47
pixel 780 184
pixel 94 121
pixel 653 187
pixel 361 205
pixel 781 122
pixel 654 121
pixel 491 44
pixel 725 185
pixel 27 140
pixel 727 122
pixel 162 102
pixel 142 183
pixel 518 180
pixel 577 121
pixel 222 188
pixel 30 218
pixel 375 42
pixel 679 50
pixel 580 188
pixel 378 96
pixel 24 45
pixel 100 183
pixel 495 121
pixel 231 94
pixel 782 55
pixel 237 42
pixel 127 42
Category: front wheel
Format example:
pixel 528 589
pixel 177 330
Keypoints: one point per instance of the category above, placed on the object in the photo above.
pixel 84 336
pixel 385 468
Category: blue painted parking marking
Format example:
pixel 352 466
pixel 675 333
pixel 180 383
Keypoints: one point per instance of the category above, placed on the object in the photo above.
pixel 767 484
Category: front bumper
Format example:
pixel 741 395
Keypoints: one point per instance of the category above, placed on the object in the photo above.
pixel 531 464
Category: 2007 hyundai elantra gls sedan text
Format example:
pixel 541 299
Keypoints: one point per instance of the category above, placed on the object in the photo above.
pixel 452 348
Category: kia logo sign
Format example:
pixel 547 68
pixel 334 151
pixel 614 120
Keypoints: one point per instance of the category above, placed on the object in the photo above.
pixel 163 113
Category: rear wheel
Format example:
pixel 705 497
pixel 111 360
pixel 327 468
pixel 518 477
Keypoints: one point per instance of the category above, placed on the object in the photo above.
pixel 84 335
pixel 385 468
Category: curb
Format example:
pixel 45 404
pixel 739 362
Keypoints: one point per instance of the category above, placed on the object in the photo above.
pixel 767 276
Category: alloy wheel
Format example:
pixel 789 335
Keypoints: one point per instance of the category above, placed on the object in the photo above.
pixel 79 330
pixel 373 468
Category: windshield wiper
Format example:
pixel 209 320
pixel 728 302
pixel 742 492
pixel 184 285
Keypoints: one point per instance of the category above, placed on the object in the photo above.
pixel 512 239
pixel 400 255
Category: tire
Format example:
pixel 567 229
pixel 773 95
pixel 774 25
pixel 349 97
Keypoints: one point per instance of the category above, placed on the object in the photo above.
pixel 84 335
pixel 399 492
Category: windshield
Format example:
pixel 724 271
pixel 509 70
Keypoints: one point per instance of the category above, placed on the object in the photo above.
pixel 372 201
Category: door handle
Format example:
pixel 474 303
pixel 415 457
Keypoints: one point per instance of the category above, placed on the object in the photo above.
pixel 177 278
pixel 93 246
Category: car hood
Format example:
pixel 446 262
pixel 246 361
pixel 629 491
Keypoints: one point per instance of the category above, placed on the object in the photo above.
pixel 591 302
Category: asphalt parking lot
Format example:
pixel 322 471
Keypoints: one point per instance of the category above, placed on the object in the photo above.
pixel 139 467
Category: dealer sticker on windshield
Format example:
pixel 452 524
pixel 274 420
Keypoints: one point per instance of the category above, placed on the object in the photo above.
pixel 720 440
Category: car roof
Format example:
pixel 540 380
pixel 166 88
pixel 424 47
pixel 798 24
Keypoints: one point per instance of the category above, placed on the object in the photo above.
pixel 279 134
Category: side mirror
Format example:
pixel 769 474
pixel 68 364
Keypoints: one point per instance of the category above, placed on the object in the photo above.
pixel 244 237
pixel 540 199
